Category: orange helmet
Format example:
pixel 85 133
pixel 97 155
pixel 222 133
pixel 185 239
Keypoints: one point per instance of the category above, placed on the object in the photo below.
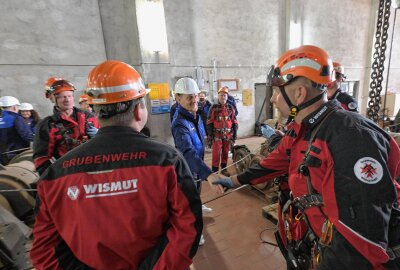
pixel 224 90
pixel 113 82
pixel 306 61
pixel 83 98
pixel 61 86
pixel 339 70
pixel 48 84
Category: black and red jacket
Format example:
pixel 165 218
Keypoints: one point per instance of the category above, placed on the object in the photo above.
pixel 346 101
pixel 355 165
pixel 57 134
pixel 119 201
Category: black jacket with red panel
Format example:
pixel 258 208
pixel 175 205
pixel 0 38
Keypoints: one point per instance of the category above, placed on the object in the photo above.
pixel 346 101
pixel 353 164
pixel 119 201
pixel 57 134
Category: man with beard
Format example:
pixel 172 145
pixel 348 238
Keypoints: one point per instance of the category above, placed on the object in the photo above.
pixel 67 128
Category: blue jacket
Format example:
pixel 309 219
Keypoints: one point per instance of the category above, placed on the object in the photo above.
pixel 231 100
pixel 188 132
pixel 14 134
pixel 203 112
pixel 32 124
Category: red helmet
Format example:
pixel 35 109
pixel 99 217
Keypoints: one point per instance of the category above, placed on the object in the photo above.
pixel 113 82
pixel 223 89
pixel 48 84
pixel 306 61
pixel 339 70
pixel 83 98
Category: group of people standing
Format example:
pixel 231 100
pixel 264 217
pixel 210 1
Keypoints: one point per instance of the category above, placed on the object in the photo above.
pixel 342 209
pixel 17 127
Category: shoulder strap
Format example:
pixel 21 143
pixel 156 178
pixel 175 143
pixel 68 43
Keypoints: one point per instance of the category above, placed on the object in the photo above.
pixel 303 167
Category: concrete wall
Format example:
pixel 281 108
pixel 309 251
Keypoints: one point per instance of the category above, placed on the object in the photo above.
pixel 343 31
pixel 227 34
pixel 207 40
pixel 39 39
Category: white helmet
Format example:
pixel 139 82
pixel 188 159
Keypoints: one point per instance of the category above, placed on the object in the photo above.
pixel 186 86
pixel 25 107
pixel 8 101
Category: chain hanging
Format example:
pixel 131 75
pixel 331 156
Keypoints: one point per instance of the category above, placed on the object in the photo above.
pixel 378 65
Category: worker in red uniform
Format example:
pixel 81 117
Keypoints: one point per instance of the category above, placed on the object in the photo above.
pixel 346 101
pixel 47 87
pixel 67 128
pixel 121 200
pixel 343 212
pixel 221 129
pixel 84 103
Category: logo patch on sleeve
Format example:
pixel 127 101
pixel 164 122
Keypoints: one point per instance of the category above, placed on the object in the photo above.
pixel 368 170
pixel 352 105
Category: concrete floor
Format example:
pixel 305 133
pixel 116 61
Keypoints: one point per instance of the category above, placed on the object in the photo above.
pixel 235 229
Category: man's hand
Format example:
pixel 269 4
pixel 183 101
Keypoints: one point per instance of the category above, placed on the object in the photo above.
pixel 91 131
pixel 225 182
pixel 219 182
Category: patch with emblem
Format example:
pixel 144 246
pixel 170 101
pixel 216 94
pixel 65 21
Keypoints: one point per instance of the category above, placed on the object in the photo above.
pixel 73 192
pixel 368 170
pixel 352 106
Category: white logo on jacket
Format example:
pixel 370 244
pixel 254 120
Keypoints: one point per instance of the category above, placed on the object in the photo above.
pixel 105 189
pixel 352 106
pixel 317 115
pixel 73 192
pixel 368 170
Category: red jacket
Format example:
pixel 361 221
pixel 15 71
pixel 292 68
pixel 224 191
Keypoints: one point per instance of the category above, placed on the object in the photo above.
pixel 356 163
pixel 57 134
pixel 119 201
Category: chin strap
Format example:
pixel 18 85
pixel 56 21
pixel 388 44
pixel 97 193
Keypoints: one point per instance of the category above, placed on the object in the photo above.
pixel 294 110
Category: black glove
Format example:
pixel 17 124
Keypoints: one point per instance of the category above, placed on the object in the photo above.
pixel 210 141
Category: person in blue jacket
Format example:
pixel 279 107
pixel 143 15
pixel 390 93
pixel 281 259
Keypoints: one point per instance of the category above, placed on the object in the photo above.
pixel 14 133
pixel 31 117
pixel 188 132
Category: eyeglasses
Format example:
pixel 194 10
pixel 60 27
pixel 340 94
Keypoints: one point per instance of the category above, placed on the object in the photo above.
pixel 62 84
pixel 274 77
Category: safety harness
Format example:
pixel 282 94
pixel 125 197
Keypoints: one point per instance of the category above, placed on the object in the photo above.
pixel 296 254
pixel 305 254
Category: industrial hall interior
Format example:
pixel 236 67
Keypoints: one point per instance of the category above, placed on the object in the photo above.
pixel 200 135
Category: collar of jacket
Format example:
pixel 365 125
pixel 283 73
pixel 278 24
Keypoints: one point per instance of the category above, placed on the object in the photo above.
pixel 118 130
pixel 186 114
pixel 312 120
pixel 58 116
pixel 10 113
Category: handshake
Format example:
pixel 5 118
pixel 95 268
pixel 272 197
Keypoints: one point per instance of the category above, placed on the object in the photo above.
pixel 221 184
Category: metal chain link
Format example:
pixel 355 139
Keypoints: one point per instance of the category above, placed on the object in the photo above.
pixel 378 66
